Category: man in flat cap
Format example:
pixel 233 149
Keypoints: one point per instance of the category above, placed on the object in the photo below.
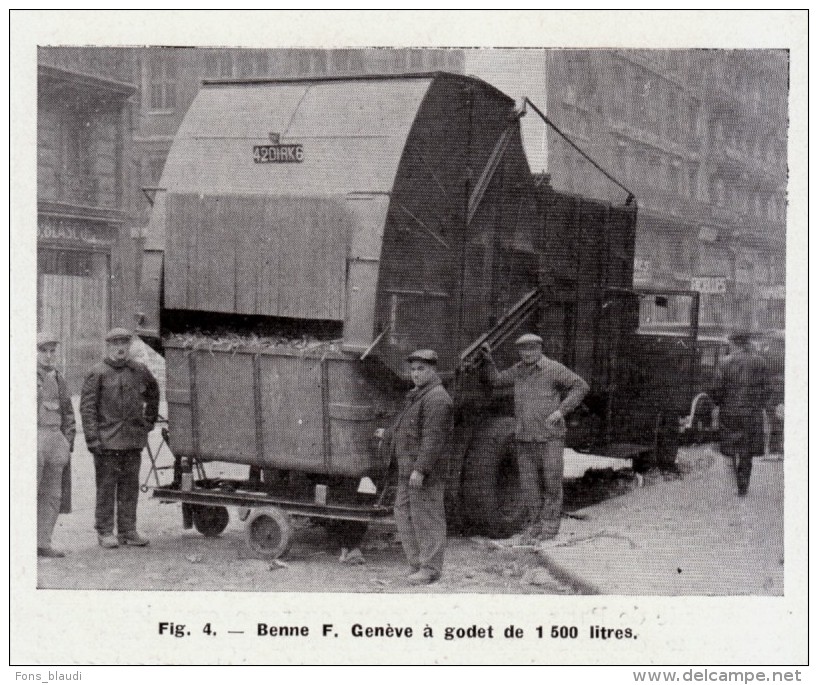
pixel 742 390
pixel 545 391
pixel 56 429
pixel 119 406
pixel 419 440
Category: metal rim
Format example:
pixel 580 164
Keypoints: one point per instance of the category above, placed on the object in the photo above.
pixel 269 532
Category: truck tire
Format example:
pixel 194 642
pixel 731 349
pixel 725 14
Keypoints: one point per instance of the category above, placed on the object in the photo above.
pixel 666 440
pixel 493 504
pixel 666 443
pixel 269 533
pixel 210 521
pixel 345 533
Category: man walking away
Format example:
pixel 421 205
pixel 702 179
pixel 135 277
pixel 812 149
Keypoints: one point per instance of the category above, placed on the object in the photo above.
pixel 55 441
pixel 741 393
pixel 119 407
pixel 419 440
pixel 545 391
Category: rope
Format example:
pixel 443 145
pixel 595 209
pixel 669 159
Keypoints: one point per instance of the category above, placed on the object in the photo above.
pixel 631 197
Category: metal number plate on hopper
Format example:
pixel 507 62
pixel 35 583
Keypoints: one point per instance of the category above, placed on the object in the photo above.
pixel 278 153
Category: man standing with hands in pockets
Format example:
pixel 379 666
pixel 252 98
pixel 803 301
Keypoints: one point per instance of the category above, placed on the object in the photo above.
pixel 419 441
pixel 119 406
pixel 545 391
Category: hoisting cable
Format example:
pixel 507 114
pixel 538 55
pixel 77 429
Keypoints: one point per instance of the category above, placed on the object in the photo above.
pixel 631 197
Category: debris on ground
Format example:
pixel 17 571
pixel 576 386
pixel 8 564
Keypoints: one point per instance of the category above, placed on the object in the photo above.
pixel 556 542
pixel 352 556
pixel 510 570
pixel 277 564
pixel 376 545
pixel 538 576
pixel 194 558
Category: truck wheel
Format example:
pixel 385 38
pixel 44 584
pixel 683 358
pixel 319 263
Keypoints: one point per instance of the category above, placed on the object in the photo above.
pixel 210 521
pixel 665 444
pixel 492 499
pixel 346 533
pixel 269 532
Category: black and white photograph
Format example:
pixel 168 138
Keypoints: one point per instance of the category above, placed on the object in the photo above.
pixel 473 354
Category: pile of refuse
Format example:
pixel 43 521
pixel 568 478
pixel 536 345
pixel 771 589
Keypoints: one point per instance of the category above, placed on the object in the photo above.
pixel 231 341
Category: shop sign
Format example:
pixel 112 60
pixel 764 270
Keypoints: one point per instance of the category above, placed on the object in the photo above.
pixel 709 285
pixel 68 231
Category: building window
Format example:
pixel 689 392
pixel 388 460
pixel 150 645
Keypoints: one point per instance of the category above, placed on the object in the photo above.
pixel 162 80
pixel 218 64
pixel 416 60
pixel 717 193
pixel 319 62
pixel 694 181
pixel 252 63
pixel 65 262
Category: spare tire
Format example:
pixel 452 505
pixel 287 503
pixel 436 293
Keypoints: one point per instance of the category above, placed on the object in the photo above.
pixel 493 502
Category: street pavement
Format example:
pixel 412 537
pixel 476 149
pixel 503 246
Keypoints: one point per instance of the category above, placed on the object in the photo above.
pixel 688 536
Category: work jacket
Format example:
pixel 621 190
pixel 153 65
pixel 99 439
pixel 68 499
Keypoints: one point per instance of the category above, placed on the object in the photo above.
pixel 59 405
pixel 419 438
pixel 742 391
pixel 539 390
pixel 119 406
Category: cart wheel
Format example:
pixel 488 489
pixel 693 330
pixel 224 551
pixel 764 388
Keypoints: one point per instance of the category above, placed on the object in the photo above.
pixel 269 532
pixel 210 521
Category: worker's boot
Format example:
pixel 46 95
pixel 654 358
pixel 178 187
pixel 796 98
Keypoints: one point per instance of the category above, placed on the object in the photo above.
pixel 108 541
pixel 50 553
pixel 423 577
pixel 132 538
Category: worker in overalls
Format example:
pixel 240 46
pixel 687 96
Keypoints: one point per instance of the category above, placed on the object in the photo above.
pixel 56 429
pixel 419 440
pixel 545 392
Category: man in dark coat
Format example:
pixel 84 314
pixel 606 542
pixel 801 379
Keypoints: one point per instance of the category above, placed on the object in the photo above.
pixel 56 429
pixel 119 406
pixel 419 441
pixel 545 392
pixel 741 392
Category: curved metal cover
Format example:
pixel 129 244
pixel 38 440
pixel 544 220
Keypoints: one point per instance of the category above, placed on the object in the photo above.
pixel 250 214
pixel 352 134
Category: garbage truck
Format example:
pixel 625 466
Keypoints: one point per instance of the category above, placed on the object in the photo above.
pixel 308 234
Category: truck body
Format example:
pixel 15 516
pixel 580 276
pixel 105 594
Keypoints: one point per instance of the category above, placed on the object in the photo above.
pixel 309 234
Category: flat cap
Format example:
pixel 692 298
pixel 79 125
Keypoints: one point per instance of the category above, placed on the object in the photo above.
pixel 529 339
pixel 46 338
pixel 118 334
pixel 428 356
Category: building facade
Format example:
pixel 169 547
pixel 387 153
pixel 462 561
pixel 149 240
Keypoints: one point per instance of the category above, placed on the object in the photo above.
pixel 84 198
pixel 700 138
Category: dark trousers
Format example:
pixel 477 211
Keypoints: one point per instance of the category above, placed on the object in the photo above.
pixel 742 438
pixel 421 519
pixel 117 475
pixel 541 465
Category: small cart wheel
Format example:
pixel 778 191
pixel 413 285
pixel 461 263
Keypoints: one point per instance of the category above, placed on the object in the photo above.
pixel 210 521
pixel 269 532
